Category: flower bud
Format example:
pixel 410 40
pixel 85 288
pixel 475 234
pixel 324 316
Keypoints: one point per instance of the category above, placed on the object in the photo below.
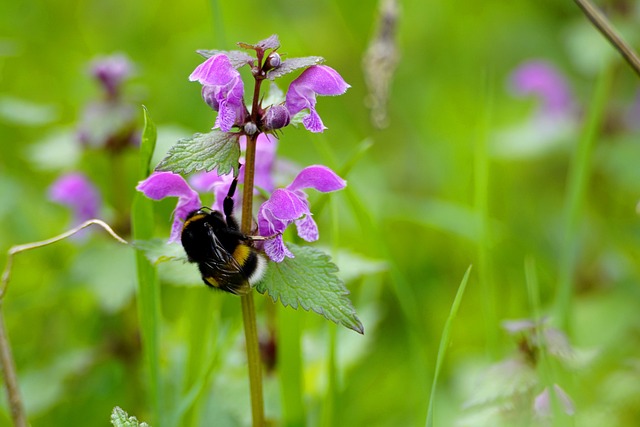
pixel 276 117
pixel 272 61
pixel 250 128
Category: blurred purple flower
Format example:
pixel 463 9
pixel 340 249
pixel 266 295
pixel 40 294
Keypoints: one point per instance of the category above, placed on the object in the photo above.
pixel 167 184
pixel 542 402
pixel 222 90
pixel 111 71
pixel 77 192
pixel 289 205
pixel 109 123
pixel 543 79
pixel 315 80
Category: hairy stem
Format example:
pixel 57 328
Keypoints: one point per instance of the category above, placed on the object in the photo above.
pixel 248 308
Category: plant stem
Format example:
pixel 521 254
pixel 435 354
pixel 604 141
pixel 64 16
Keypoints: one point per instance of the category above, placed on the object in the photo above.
pixel 18 413
pixel 606 29
pixel 248 308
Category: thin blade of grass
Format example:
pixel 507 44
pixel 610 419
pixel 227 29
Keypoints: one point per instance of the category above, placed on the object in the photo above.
pixel 148 291
pixel 444 343
pixel 577 182
pixel 481 195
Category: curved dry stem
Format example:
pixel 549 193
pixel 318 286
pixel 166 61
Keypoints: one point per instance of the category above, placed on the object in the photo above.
pixel 599 21
pixel 18 413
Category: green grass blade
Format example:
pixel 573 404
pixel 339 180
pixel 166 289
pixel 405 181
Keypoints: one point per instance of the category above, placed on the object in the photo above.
pixel 148 289
pixel 578 181
pixel 444 343
pixel 481 195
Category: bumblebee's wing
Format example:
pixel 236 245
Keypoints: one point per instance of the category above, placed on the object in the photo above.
pixel 223 268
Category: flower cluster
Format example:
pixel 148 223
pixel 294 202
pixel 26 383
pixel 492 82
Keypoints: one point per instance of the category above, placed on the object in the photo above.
pixel 223 91
pixel 109 123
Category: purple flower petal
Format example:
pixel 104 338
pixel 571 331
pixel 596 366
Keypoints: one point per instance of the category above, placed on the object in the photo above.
pixel 77 192
pixel 307 228
pixel 318 177
pixel 111 71
pixel 223 90
pixel 315 80
pixel 289 205
pixel 166 184
pixel 215 71
pixel 276 250
pixel 286 205
pixel 542 79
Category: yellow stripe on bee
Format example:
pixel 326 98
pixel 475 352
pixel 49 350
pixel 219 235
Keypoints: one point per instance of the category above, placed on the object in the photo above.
pixel 194 218
pixel 241 253
pixel 212 282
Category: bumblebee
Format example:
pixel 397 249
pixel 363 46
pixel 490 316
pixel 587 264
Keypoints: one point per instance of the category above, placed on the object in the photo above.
pixel 225 256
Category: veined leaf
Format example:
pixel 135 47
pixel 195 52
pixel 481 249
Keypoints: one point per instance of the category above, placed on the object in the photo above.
pixel 310 281
pixel 292 64
pixel 271 42
pixel 120 418
pixel 237 58
pixel 204 151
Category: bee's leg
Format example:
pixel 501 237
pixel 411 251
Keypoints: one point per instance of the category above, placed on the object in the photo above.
pixel 227 205
pixel 262 238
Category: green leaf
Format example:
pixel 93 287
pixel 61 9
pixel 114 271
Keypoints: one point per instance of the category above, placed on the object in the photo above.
pixel 310 280
pixel 148 292
pixel 236 57
pixel 119 418
pixel 214 150
pixel 444 343
pixel 272 42
pixel 148 144
pixel 158 250
pixel 293 64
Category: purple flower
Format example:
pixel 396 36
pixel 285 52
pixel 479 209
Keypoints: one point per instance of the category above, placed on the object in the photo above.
pixel 222 90
pixel 289 205
pixel 315 80
pixel 77 192
pixel 111 71
pixel 167 184
pixel 542 79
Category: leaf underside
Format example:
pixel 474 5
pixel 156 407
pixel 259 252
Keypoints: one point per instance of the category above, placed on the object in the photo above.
pixel 292 64
pixel 310 281
pixel 271 42
pixel 214 150
pixel 237 58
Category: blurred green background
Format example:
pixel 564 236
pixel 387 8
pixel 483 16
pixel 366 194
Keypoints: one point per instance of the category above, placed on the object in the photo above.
pixel 428 198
